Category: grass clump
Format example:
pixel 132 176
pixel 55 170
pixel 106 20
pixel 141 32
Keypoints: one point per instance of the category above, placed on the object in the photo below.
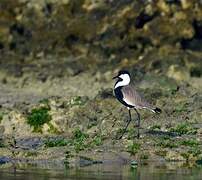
pixel 167 143
pixel 56 142
pixel 2 144
pixel 38 117
pixel 79 140
pixel 44 101
pixel 191 153
pixel 131 133
pixel 97 141
pixel 144 156
pixel 180 107
pixel 155 127
pixel 78 100
pixel 190 142
pixel 195 151
pixel 1 115
pixel 184 128
pixel 133 148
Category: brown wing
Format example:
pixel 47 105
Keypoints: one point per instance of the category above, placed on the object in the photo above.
pixel 132 97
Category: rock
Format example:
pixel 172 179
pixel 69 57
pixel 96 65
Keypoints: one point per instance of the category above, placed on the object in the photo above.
pixel 174 156
pixel 84 161
pixel 178 73
pixel 29 143
pixel 186 4
pixel 15 123
pixel 4 160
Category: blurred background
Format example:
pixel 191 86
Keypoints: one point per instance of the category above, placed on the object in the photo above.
pixel 50 47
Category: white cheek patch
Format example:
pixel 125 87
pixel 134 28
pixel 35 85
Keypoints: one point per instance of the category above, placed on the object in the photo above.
pixel 124 76
pixel 125 80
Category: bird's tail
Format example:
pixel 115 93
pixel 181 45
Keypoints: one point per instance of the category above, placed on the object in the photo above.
pixel 157 110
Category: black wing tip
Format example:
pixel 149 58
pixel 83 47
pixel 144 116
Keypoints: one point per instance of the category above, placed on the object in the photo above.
pixel 157 110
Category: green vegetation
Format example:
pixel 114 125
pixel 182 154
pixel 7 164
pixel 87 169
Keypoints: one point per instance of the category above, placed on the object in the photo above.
pixel 155 127
pixel 1 115
pixel 78 100
pixel 133 148
pixel 131 133
pixel 180 107
pixel 97 141
pixel 195 151
pixel 38 117
pixel 79 140
pixel 144 156
pixel 168 85
pixel 44 101
pixel 56 142
pixel 184 128
pixel 166 142
pixel 2 144
pixel 185 155
pixel 191 142
pixel 195 72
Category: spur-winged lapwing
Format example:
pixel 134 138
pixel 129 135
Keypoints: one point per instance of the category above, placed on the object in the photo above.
pixel 130 98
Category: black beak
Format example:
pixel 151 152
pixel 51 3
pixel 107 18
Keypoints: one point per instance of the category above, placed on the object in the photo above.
pixel 115 77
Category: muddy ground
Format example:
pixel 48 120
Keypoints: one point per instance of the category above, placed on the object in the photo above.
pixel 56 98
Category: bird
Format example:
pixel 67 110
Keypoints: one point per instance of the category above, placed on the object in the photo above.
pixel 126 94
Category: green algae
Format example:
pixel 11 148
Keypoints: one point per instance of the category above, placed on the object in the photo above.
pixel 155 127
pixel 133 148
pixel 190 142
pixel 166 142
pixel 97 141
pixel 79 140
pixel 1 116
pixel 38 117
pixel 2 145
pixel 78 101
pixel 56 142
pixel 183 128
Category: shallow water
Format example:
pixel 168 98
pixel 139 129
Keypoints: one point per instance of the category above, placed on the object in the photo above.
pixel 153 171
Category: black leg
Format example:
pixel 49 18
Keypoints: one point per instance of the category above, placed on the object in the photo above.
pixel 126 124
pixel 138 123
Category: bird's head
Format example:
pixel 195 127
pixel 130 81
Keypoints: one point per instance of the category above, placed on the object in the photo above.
pixel 123 76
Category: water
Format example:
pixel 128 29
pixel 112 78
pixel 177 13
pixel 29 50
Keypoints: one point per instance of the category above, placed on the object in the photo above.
pixel 153 171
